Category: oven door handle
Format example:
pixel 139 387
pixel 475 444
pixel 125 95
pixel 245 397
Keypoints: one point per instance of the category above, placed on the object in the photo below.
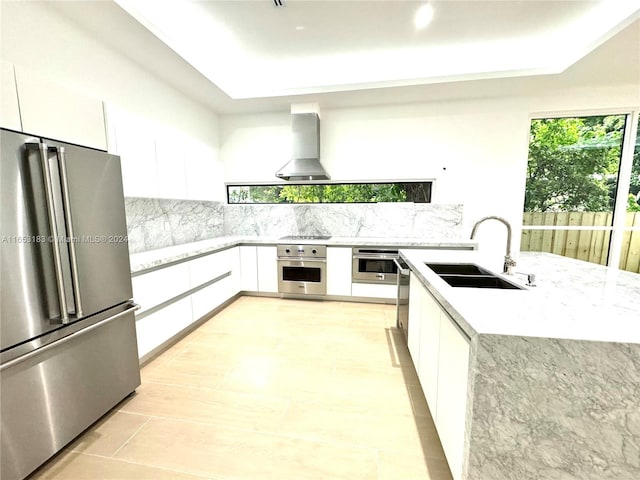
pixel 375 257
pixel 301 262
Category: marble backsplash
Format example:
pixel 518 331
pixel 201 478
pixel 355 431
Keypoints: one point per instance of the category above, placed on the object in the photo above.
pixel 155 223
pixel 426 221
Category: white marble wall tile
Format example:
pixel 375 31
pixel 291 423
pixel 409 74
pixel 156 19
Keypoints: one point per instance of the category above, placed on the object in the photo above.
pixel 156 223
pixel 425 221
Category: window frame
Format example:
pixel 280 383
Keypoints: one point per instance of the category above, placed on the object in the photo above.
pixel 618 227
pixel 227 185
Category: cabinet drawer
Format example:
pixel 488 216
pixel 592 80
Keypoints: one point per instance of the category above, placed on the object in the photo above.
pixel 206 268
pixel 155 329
pixel 211 297
pixel 153 288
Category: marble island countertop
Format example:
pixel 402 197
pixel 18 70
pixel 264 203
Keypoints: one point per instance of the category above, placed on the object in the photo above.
pixel 162 256
pixel 572 299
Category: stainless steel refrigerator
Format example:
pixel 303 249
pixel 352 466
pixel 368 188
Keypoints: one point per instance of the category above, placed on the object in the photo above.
pixel 67 329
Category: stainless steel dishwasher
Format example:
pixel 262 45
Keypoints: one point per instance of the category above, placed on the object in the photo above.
pixel 402 296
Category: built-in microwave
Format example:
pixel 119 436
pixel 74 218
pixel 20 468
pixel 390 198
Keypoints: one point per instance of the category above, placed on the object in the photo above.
pixel 374 265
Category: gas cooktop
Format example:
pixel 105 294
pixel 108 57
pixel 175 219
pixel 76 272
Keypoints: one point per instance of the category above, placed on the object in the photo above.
pixel 306 237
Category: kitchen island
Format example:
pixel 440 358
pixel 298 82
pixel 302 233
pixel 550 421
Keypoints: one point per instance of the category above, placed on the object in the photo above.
pixel 551 373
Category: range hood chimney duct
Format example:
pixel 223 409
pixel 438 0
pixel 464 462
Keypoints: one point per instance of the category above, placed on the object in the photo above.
pixel 305 163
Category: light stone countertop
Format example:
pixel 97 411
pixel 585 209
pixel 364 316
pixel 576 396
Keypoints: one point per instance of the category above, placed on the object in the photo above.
pixel 573 299
pixel 162 256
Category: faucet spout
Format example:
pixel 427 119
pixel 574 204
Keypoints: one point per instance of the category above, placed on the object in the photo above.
pixel 509 262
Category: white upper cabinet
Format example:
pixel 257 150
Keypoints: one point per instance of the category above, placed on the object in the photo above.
pixel 204 172
pixel 170 161
pixel 161 162
pixel 54 111
pixel 135 143
pixel 9 109
pixel 339 271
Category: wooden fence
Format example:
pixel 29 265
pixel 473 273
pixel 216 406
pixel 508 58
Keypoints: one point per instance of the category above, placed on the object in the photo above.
pixel 589 245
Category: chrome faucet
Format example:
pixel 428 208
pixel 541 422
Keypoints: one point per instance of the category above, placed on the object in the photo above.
pixel 509 262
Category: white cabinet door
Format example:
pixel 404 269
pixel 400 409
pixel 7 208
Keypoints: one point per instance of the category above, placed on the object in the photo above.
pixel 267 269
pixel 413 329
pixel 453 372
pixel 339 271
pixel 54 111
pixel 373 290
pixel 170 162
pixel 9 110
pixel 248 269
pixel 430 317
pixel 236 273
pixel 135 143
pixel 204 172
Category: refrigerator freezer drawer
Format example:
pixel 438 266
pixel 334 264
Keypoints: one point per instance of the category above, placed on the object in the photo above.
pixel 55 393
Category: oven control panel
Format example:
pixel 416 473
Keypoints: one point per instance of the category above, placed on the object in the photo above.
pixel 302 251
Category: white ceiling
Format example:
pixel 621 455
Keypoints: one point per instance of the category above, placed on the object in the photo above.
pixel 253 49
pixel 343 28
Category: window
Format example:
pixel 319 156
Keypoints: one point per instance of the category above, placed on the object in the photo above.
pixel 417 192
pixel 630 252
pixel 583 178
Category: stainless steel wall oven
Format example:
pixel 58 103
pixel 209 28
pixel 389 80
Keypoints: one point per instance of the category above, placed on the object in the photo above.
pixel 375 265
pixel 302 269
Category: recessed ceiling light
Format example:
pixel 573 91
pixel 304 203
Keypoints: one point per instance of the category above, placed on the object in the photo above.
pixel 300 27
pixel 423 16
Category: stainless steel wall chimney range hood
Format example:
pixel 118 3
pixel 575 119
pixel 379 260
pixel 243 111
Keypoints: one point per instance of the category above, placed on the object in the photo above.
pixel 305 163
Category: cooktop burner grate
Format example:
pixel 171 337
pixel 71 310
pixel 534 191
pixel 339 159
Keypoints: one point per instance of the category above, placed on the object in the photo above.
pixel 306 237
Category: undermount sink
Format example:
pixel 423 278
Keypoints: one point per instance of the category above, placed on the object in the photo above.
pixel 470 275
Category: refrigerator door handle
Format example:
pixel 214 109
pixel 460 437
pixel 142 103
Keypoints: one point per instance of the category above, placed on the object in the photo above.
pixel 75 279
pixel 74 335
pixel 55 240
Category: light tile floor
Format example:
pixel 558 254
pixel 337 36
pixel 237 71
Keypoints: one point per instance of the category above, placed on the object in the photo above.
pixel 270 389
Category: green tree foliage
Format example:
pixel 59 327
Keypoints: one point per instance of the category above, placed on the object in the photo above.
pixel 419 192
pixel 572 162
pixel 344 193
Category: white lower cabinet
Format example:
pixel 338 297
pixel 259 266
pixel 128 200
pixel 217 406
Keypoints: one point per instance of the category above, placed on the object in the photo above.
pixel 415 320
pixel 211 297
pixel 428 364
pixel 248 268
pixel 339 271
pixel 153 288
pixel 267 265
pixel 236 281
pixel 374 290
pixel 440 353
pixel 205 269
pixel 155 329
pixel 174 297
pixel 453 372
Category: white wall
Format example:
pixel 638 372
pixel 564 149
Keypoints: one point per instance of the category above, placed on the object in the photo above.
pixel 474 148
pixel 36 36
